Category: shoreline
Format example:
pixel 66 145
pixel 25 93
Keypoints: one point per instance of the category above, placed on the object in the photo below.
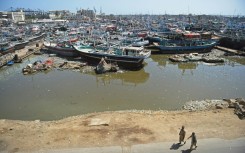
pixel 114 128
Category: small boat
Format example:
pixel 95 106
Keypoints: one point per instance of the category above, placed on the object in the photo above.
pixel 9 63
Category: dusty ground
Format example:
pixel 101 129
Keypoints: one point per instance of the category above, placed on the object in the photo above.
pixel 124 128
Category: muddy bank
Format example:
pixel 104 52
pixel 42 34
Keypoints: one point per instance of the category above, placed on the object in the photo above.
pixel 118 128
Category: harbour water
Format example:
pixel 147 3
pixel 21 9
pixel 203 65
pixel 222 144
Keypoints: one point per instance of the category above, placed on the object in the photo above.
pixel 160 85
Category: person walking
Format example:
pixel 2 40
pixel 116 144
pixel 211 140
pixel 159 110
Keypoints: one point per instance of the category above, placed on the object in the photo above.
pixel 193 140
pixel 182 135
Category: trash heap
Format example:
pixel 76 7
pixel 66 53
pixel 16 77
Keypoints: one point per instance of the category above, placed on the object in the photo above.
pixel 70 65
pixel 51 63
pixel 38 66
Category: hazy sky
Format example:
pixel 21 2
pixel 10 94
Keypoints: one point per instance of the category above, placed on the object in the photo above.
pixel 218 7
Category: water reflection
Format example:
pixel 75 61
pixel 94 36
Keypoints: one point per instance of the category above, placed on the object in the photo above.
pixel 161 84
pixel 232 60
pixel 162 60
pixel 125 78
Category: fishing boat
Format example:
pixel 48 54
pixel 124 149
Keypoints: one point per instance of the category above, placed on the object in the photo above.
pixel 36 37
pixel 61 48
pixel 232 38
pixel 6 47
pixel 124 57
pixel 19 42
pixel 140 43
pixel 186 46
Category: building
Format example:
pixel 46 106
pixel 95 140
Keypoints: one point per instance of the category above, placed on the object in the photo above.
pixel 70 16
pixel 85 13
pixel 14 16
pixel 58 14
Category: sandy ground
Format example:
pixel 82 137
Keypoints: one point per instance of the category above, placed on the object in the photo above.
pixel 123 128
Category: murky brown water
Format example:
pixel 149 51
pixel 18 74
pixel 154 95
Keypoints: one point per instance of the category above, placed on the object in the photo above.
pixel 161 84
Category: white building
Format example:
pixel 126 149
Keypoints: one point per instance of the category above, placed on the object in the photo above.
pixel 15 16
pixel 18 16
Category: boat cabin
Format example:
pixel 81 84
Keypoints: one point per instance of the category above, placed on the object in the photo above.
pixel 132 51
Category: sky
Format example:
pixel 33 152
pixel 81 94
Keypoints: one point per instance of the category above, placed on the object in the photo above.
pixel 209 7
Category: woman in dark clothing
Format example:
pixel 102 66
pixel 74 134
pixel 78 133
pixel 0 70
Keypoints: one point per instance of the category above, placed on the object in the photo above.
pixel 182 135
pixel 193 140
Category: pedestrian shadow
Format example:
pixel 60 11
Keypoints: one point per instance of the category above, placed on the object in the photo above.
pixel 175 146
pixel 186 151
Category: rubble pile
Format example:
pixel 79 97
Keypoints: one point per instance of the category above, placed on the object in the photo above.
pixel 205 104
pixel 37 66
pixel 238 104
pixel 70 65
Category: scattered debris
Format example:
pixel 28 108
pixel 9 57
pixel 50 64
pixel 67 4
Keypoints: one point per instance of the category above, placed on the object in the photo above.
pixel 213 60
pixel 178 58
pixel 194 57
pixel 71 65
pixel 37 66
pixel 103 67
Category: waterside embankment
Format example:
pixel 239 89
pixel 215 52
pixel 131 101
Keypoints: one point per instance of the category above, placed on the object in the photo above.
pixel 120 128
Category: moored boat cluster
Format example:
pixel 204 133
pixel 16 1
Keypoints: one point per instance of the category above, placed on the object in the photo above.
pixel 122 42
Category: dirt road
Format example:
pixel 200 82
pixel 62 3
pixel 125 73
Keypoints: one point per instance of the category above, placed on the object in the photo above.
pixel 123 128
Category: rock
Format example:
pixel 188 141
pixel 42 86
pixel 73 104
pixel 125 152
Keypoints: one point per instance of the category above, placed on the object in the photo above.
pixel 37 121
pixel 205 104
pixel 232 102
pixel 98 121
pixel 241 101
pixel 218 106
pixel 104 67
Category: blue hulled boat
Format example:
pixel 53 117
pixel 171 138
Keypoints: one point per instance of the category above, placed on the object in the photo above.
pixel 186 46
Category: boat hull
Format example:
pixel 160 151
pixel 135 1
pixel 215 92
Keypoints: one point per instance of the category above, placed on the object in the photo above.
pixel 20 45
pixel 122 61
pixel 181 50
pixel 186 49
pixel 69 52
pixel 238 44
pixel 8 50
pixel 35 38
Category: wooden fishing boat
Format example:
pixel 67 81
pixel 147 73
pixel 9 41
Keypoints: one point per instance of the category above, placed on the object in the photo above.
pixel 6 47
pixel 62 48
pixel 125 57
pixel 186 46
